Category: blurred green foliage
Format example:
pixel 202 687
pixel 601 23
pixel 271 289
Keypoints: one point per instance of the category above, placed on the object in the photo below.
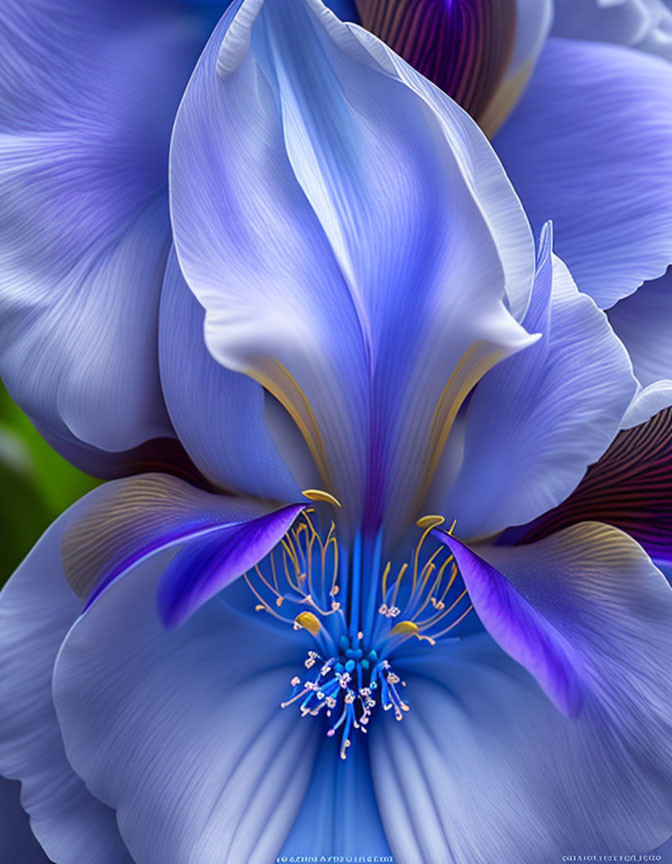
pixel 36 485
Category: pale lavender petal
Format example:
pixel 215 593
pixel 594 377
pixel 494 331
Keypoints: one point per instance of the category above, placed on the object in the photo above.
pixel 630 487
pixel 220 416
pixel 278 204
pixel 588 147
pixel 539 419
pixel 37 608
pixel 642 322
pixel 485 769
pixel 181 731
pixel 88 92
pixel 642 24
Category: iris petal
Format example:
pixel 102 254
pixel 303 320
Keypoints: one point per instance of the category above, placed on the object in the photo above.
pixel 643 24
pixel 37 607
pixel 206 566
pixel 519 780
pixel 339 814
pixel 647 402
pixel 484 768
pixel 88 93
pixel 128 520
pixel 534 19
pixel 641 321
pixel 180 731
pixel 325 168
pixel 538 420
pixel 220 416
pixel 588 147
pixel 520 629
pixel 18 841
pixel 165 455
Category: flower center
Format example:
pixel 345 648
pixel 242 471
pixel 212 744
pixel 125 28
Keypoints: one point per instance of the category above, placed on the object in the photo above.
pixel 358 613
pixel 345 688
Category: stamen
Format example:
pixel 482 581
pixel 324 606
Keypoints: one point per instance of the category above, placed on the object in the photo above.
pixel 405 627
pixel 355 636
pixel 423 591
pixel 321 495
pixel 410 628
pixel 430 521
pixel 309 622
pixel 347 682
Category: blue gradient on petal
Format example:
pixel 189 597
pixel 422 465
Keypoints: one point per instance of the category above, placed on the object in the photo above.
pixel 588 147
pixel 339 815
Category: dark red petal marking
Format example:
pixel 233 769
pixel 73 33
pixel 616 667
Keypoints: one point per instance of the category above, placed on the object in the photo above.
pixel 630 487
pixel 463 46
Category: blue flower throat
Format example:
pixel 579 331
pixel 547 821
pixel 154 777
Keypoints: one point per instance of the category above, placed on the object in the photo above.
pixel 359 614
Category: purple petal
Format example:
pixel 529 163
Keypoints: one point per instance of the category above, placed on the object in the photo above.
pixel 463 46
pixel 127 520
pixel 518 628
pixel 205 567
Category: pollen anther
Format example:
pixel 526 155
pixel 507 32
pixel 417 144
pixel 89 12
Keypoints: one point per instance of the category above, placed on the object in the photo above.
pixel 432 521
pixel 321 495
pixel 308 621
pixel 406 628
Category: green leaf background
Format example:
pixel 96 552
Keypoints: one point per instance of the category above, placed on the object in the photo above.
pixel 37 485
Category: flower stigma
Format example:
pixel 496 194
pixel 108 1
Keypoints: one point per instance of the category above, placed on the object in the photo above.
pixel 358 614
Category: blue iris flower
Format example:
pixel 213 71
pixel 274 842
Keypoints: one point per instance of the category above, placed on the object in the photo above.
pixel 359 594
